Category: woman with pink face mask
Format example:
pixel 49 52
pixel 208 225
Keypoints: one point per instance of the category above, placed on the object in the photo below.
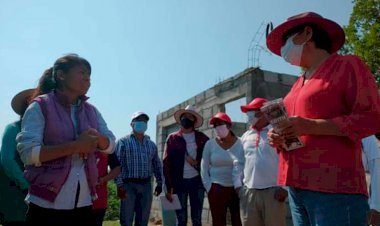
pixel 332 106
pixel 223 157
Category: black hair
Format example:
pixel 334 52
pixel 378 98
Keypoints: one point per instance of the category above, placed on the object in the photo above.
pixel 48 81
pixel 320 37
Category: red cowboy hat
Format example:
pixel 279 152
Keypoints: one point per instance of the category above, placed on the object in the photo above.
pixel 221 116
pixel 334 30
pixel 255 104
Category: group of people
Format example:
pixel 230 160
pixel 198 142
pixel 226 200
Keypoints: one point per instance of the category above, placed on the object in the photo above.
pixel 60 154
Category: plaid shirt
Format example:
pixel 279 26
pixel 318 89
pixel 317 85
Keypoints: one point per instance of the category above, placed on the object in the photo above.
pixel 138 159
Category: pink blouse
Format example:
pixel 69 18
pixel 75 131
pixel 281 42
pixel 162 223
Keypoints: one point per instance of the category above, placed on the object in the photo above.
pixel 344 91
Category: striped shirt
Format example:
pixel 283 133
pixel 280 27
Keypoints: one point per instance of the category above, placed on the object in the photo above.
pixel 138 159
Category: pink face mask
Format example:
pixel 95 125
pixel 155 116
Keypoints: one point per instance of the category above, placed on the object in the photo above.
pixel 221 131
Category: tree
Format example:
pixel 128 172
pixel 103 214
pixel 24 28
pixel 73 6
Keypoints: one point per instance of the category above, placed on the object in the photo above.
pixel 363 34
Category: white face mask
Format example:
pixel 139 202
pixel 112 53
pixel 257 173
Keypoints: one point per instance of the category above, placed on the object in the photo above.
pixel 291 52
pixel 221 131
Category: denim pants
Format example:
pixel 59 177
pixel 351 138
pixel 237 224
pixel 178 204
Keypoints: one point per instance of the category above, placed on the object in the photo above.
pixel 192 188
pixel 137 204
pixel 310 208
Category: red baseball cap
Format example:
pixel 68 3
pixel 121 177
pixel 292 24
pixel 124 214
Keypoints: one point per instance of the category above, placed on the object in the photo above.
pixel 334 31
pixel 255 104
pixel 221 116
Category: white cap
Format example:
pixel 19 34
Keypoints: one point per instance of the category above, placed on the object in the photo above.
pixel 138 114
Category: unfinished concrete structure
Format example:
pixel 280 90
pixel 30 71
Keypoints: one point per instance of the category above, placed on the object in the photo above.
pixel 251 83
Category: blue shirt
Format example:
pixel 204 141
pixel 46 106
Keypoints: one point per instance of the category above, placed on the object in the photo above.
pixel 138 159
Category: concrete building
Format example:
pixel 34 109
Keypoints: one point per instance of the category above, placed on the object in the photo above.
pixel 251 83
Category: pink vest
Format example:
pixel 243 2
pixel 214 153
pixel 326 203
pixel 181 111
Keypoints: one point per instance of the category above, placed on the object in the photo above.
pixel 47 180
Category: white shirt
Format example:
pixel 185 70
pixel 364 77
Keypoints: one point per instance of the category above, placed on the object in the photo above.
pixel 217 165
pixel 191 150
pixel 261 160
pixel 371 163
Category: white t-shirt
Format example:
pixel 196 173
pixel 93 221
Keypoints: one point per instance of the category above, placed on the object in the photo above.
pixel 261 160
pixel 191 148
pixel 371 163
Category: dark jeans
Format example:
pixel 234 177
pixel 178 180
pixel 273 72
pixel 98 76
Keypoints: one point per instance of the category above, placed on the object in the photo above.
pixel 220 199
pixel 98 215
pixel 310 208
pixel 192 188
pixel 38 216
pixel 137 204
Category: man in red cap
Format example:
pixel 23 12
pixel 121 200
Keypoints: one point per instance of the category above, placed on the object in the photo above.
pixel 325 178
pixel 260 197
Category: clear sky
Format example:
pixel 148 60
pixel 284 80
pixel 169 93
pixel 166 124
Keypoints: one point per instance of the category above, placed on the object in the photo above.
pixel 145 55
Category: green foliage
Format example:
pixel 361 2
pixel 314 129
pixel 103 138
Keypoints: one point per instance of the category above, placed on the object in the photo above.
pixel 363 34
pixel 113 203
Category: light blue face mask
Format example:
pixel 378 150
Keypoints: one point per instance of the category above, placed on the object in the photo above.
pixel 140 126
pixel 251 118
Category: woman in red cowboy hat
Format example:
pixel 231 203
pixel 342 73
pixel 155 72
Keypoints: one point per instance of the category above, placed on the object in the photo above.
pixel 332 105
pixel 222 158
pixel 13 185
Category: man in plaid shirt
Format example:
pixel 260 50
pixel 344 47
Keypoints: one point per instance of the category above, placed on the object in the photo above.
pixel 139 161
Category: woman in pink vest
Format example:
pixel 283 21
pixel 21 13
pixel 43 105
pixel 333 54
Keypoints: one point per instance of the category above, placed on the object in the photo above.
pixel 60 135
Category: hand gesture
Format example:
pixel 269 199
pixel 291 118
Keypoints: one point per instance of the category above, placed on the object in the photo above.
pixel 87 142
pixel 237 190
pixel 101 181
pixel 121 193
pixel 373 217
pixel 280 194
pixel 157 190
pixel 191 161
pixel 275 140
pixel 294 126
pixel 169 196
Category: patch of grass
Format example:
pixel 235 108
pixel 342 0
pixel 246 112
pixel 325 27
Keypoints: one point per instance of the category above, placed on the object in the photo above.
pixel 111 223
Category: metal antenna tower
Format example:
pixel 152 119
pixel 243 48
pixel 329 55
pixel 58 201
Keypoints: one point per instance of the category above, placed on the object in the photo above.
pixel 255 46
